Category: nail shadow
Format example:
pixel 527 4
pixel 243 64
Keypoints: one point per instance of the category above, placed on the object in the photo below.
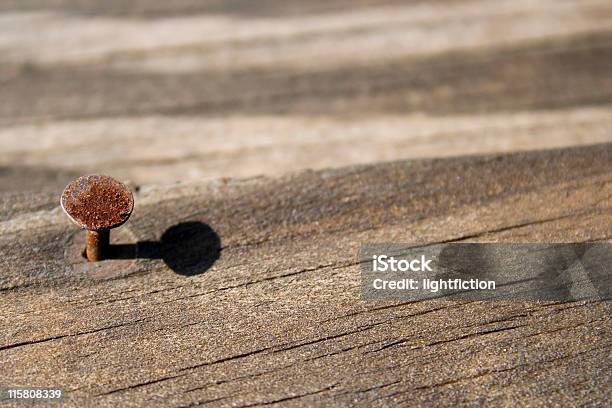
pixel 188 248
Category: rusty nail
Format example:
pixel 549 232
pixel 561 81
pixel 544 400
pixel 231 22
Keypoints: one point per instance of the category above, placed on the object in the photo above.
pixel 98 204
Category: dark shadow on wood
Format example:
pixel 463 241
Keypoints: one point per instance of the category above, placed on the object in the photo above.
pixel 188 248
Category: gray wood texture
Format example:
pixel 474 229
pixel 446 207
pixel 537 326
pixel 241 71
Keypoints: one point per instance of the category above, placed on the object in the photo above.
pixel 235 282
pixel 158 91
pixel 278 316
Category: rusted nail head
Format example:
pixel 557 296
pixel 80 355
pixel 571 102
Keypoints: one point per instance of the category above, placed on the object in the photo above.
pixel 97 202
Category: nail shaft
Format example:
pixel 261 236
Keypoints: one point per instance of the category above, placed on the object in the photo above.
pixel 97 245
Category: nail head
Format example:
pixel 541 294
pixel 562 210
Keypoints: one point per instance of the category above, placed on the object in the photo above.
pixel 97 202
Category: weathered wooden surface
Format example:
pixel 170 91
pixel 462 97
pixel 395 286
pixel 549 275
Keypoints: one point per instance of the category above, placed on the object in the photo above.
pixel 165 91
pixel 278 316
pixel 246 292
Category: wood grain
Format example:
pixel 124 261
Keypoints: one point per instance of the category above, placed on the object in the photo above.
pixel 277 318
pixel 266 141
pixel 158 92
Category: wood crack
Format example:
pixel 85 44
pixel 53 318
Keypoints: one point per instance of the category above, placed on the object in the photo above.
pixel 293 397
pixel 48 339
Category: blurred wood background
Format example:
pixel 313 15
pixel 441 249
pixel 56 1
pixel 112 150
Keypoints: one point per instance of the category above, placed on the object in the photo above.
pixel 166 91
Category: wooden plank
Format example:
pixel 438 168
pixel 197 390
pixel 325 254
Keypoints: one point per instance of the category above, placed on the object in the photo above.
pixel 245 292
pixel 142 151
pixel 278 316
pixel 159 92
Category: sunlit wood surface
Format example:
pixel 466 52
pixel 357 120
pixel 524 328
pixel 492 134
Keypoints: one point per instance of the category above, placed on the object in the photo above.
pixel 235 282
